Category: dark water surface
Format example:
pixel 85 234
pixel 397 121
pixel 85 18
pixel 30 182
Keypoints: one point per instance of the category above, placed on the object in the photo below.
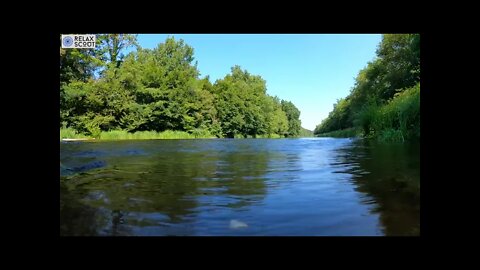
pixel 292 187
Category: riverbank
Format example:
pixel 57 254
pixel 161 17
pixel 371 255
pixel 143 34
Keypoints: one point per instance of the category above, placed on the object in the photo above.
pixel 69 134
pixel 396 121
pixel 344 133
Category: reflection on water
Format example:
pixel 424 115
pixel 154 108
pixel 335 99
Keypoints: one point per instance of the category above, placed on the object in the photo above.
pixel 317 186
pixel 391 182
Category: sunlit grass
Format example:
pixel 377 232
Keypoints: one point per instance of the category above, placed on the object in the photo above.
pixel 70 133
pixel 139 135
pixel 396 121
pixel 344 133
pixel 150 135
pixel 270 136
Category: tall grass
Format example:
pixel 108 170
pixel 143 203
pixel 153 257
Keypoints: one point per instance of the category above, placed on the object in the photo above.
pixel 344 133
pixel 70 133
pixel 270 136
pixel 259 136
pixel 398 120
pixel 151 135
pixel 148 135
pixel 202 133
pixel 139 135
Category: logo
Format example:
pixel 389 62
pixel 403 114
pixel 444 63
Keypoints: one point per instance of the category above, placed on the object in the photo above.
pixel 78 41
pixel 67 41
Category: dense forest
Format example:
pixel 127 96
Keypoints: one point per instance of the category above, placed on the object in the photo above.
pixel 103 91
pixel 384 103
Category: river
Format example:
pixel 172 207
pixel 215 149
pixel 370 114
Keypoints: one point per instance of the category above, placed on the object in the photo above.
pixel 240 187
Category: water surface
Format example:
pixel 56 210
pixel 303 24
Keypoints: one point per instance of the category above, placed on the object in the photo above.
pixel 222 187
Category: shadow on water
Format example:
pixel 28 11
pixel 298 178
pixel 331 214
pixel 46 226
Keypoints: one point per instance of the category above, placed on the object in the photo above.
pixel 389 176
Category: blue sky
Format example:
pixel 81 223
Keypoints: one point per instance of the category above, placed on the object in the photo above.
pixel 311 70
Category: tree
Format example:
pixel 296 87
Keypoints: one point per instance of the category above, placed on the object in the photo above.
pixel 277 121
pixel 395 69
pixel 240 100
pixel 400 56
pixel 160 89
pixel 165 86
pixel 110 46
pixel 293 116
pixel 75 66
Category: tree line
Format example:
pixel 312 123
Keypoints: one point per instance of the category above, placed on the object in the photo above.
pixel 385 101
pixel 160 89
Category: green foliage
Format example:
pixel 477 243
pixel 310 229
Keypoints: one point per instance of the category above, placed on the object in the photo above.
pixel 70 133
pixel 159 89
pixel 305 133
pixel 77 64
pixel 245 109
pixel 293 116
pixel 202 133
pixel 390 135
pixel 401 59
pixel 344 133
pixel 270 136
pixel 337 119
pixel 401 114
pixel 398 120
pixel 148 135
pixel 367 116
pixel 110 46
pixel 276 119
pixel 385 100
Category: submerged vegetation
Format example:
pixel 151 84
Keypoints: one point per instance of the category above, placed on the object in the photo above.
pixel 158 93
pixel 384 104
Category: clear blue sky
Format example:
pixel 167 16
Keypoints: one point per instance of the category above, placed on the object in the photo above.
pixel 311 70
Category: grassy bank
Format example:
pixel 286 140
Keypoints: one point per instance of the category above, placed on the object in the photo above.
pixel 305 133
pixel 270 136
pixel 139 135
pixel 148 135
pixel 69 133
pixel 396 121
pixel 344 133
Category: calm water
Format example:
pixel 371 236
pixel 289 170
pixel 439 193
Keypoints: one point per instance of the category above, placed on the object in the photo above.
pixel 292 187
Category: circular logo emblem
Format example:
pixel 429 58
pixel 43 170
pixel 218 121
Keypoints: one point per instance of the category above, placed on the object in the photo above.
pixel 67 41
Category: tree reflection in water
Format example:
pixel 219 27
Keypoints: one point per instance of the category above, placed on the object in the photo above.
pixel 162 191
pixel 389 175
pixel 196 187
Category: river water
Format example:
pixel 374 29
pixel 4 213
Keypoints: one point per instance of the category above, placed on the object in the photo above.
pixel 240 187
